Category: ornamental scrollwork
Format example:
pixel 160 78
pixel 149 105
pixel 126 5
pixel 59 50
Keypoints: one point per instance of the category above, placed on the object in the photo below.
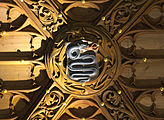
pixel 7 25
pixel 16 96
pixel 49 17
pixel 116 19
pixel 81 67
pixel 155 22
pixel 117 108
pixel 151 111
pixel 107 59
pixel 15 23
pixel 52 101
pixel 145 97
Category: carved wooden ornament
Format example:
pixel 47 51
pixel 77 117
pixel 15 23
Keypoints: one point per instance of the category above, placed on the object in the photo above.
pixel 81 59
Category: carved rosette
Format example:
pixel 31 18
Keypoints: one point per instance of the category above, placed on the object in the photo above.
pixel 106 55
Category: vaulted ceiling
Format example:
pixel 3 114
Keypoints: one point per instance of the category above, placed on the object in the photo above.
pixel 118 44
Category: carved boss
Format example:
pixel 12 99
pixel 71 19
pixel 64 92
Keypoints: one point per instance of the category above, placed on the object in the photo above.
pixel 81 61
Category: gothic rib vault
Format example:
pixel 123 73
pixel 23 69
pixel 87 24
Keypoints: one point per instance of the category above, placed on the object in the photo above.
pixel 81 59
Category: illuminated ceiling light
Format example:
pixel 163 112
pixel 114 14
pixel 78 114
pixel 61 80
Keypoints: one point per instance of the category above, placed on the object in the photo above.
pixel 119 92
pixel 120 31
pixel 60 63
pixel 103 18
pixel 83 38
pixel 60 15
pixel 22 0
pixel 22 61
pixel 44 28
pixel 145 60
pixel 83 1
pixel 102 103
pixel 64 103
pixel 83 118
pixel 3 33
pixel 162 89
pixel 86 93
pixel 73 33
pixel 83 84
pixel 47 91
pixel 106 60
pixel 5 91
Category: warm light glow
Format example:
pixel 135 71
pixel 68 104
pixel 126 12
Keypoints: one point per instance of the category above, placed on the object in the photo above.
pixel 106 60
pixel 120 31
pixel 83 38
pixel 73 33
pixel 60 15
pixel 22 61
pixel 83 1
pixel 103 18
pixel 3 33
pixel 83 84
pixel 102 104
pixel 83 118
pixel 60 63
pixel 44 28
pixel 64 103
pixel 119 92
pixel 162 89
pixel 145 59
pixel 22 0
pixel 4 91
pixel 47 91
pixel 86 93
